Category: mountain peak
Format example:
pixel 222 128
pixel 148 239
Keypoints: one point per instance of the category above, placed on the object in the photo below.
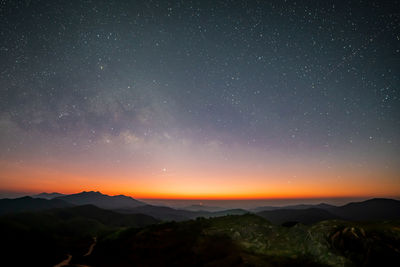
pixel 101 200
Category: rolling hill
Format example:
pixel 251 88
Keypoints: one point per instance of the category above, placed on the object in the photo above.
pixel 171 214
pixel 43 238
pixel 305 216
pixel 249 240
pixel 372 209
pixel 23 204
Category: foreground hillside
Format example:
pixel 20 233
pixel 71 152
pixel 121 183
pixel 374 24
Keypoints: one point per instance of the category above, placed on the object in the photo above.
pixel 358 234
pixel 249 240
pixel 45 238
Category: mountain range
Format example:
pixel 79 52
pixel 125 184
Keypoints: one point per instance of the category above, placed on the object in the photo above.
pixel 101 200
pixel 369 210
pixel 68 228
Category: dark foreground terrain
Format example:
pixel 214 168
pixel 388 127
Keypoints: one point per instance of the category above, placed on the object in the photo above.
pixel 87 235
pixel 47 238
pixel 249 240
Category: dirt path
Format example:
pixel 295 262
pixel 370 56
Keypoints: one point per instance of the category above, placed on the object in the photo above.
pixel 91 247
pixel 68 260
pixel 64 262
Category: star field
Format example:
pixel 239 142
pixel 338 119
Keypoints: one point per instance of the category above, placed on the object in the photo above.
pixel 185 90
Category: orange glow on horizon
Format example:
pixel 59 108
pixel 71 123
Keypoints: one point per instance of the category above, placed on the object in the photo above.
pixel 219 186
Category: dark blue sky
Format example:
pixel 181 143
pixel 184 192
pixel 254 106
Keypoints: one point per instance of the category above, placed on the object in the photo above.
pixel 306 80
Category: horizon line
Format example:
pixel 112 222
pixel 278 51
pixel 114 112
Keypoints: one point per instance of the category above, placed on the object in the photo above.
pixel 257 198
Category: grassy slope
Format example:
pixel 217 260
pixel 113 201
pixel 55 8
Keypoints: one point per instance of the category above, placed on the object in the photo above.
pixel 44 238
pixel 250 240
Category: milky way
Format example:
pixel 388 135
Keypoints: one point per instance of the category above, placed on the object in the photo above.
pixel 200 96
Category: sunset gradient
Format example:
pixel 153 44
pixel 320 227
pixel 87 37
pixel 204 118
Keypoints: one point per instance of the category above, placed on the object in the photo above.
pixel 200 100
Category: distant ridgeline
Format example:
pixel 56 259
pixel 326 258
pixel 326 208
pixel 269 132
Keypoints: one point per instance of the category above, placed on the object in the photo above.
pixel 373 209
pixel 46 229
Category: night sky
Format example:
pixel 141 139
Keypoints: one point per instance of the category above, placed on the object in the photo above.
pixel 217 99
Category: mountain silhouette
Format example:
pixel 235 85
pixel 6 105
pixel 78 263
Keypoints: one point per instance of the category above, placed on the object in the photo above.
pixel 369 210
pixel 101 200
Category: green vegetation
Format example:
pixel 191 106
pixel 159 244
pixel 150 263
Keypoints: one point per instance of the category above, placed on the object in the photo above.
pixel 249 240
